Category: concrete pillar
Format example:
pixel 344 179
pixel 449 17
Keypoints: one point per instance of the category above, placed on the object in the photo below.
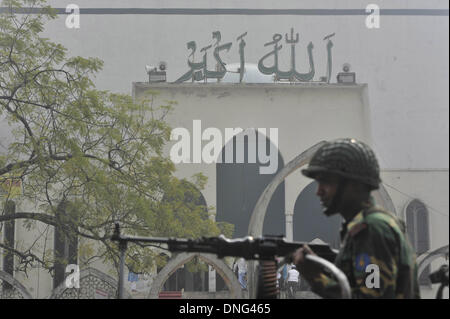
pixel 212 279
pixel 289 225
pixel 292 186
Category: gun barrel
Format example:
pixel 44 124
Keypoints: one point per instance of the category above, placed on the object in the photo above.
pixel 263 248
pixel 152 240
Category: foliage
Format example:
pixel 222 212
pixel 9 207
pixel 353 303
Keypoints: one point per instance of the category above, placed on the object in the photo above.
pixel 86 158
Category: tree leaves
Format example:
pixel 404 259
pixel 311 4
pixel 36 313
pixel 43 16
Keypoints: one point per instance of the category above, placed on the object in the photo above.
pixel 98 152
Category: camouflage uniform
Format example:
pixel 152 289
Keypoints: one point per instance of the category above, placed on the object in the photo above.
pixel 373 236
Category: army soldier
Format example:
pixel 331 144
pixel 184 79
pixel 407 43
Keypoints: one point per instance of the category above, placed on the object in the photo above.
pixel 347 171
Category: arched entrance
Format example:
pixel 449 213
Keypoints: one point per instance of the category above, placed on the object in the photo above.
pixel 94 284
pixel 424 260
pixel 182 258
pixel 259 212
pixel 240 183
pixel 11 288
pixel 310 223
pixel 182 278
pixel 417 227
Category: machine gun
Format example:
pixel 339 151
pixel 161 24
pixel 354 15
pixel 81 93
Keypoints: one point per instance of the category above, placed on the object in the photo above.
pixel 440 276
pixel 264 249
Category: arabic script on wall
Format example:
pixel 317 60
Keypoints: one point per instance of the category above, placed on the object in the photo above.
pixel 198 71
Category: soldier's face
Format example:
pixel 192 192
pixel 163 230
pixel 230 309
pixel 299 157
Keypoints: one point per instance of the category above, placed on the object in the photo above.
pixel 327 188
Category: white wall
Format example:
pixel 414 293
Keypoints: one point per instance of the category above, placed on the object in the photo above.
pixel 303 114
pixel 429 186
pixel 404 62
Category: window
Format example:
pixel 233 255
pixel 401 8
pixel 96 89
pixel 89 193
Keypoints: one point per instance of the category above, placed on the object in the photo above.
pixel 65 249
pixel 418 232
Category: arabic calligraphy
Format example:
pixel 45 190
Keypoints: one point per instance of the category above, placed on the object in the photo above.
pixel 329 60
pixel 241 56
pixel 292 74
pixel 198 71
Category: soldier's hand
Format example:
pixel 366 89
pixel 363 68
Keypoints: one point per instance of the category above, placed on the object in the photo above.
pixel 306 268
pixel 299 255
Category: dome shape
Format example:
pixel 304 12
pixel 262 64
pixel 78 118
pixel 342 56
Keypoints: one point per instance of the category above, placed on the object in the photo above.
pixel 251 74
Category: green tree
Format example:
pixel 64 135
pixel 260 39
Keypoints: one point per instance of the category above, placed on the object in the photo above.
pixel 97 154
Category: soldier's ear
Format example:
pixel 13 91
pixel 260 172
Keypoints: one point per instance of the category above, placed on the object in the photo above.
pixel 358 187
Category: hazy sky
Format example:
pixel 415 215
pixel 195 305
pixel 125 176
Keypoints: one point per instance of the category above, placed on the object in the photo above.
pixel 404 62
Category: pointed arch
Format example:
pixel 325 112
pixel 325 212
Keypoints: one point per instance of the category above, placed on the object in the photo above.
pixel 181 277
pixel 94 284
pixel 417 228
pixel 15 289
pixel 241 179
pixel 310 223
pixel 425 259
pixel 181 259
pixel 259 212
pixel 417 225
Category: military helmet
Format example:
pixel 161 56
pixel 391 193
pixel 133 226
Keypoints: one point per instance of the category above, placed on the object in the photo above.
pixel 347 158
